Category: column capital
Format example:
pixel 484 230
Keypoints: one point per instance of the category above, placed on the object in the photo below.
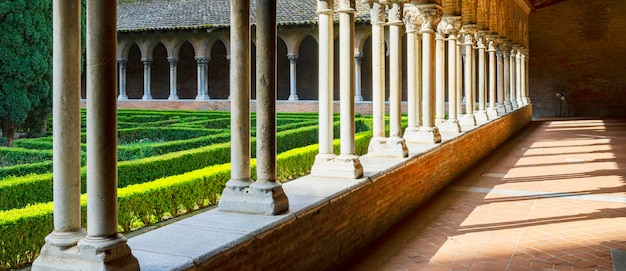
pixel 325 7
pixel 491 46
pixel 293 57
pixel 358 57
pixel 450 25
pixel 377 13
pixel 347 6
pixel 122 61
pixel 481 37
pixel 426 16
pixel 172 60
pixel 146 61
pixel 202 59
pixel 396 11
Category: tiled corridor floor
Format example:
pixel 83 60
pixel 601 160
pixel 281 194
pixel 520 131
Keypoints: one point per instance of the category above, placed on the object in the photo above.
pixel 551 198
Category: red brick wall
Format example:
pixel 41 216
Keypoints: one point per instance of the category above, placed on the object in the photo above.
pixel 578 48
pixel 323 237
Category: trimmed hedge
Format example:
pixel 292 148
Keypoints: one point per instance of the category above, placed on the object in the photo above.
pixel 15 156
pixel 24 229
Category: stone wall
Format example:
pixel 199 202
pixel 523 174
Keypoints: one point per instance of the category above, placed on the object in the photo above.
pixel 331 233
pixel 578 48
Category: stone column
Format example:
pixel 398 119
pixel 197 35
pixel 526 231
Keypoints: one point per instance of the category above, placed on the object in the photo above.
pixel 267 194
pixel 429 16
pixel 518 77
pixel 121 64
pixel 459 77
pixel 468 118
pixel 358 97
pixel 500 107
pixel 378 143
pixel 202 62
pixel 508 105
pixel 59 247
pixel 173 90
pixel 492 110
pixel 325 158
pixel 451 25
pixel 412 24
pixel 293 93
pixel 513 79
pixel 103 247
pixel 440 56
pixel 395 143
pixel 481 114
pixel 525 93
pixel 234 197
pixel 146 79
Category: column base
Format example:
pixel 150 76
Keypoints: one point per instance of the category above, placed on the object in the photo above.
pixel 172 98
pixel 98 254
pixel 492 113
pixel 203 98
pixel 146 97
pixel 439 121
pixel 358 98
pixel 481 116
pixel 293 97
pixel 122 98
pixel 515 105
pixel 527 101
pixel 428 135
pixel 266 198
pixel 450 126
pixel 387 147
pixel 59 251
pixel 342 166
pixel 502 110
pixel 508 106
pixel 520 102
pixel 467 120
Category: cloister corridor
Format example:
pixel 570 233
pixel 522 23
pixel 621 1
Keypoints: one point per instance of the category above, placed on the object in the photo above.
pixel 550 198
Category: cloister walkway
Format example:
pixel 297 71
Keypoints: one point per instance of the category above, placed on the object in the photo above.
pixel 551 198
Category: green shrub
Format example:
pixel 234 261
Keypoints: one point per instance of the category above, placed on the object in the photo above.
pixel 15 156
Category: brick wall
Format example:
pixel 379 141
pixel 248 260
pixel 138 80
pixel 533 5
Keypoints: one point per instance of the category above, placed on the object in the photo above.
pixel 578 48
pixel 324 236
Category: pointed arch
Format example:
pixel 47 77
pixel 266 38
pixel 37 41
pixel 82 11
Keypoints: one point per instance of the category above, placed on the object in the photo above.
pixel 219 70
pixel 186 76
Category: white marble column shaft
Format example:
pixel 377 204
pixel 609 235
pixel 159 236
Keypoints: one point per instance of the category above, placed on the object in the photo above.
pixel 121 64
pixel 513 79
pixel 358 96
pixel 146 79
pixel 202 63
pixel 481 113
pixel 518 78
pixel 492 110
pixel 507 79
pixel 450 25
pixel 413 69
pixel 468 118
pixel 439 78
pixel 293 92
pixel 173 86
pixel 396 143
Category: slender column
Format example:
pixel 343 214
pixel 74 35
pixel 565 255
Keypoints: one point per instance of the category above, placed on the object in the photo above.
pixel 459 77
pixel 396 143
pixel 500 82
pixel 325 158
pixel 413 68
pixel 293 93
pixel 66 132
pixel 440 117
pixel 513 79
pixel 121 64
pixel 481 114
pixel 518 77
pixel 507 78
pixel 104 248
pixel 468 118
pixel 358 97
pixel 492 110
pixel 378 143
pixel 525 93
pixel 202 62
pixel 173 90
pixel 450 25
pixel 146 78
pixel 267 194
pixel 233 197
pixel 429 16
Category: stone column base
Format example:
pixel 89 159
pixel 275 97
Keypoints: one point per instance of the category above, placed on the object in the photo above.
pixel 60 251
pixel 508 106
pixel 203 97
pixel 492 113
pixel 358 98
pixel 172 98
pixel 450 126
pixel 266 198
pixel 122 98
pixel 501 109
pixel 387 147
pixel 481 117
pixel 98 254
pixel 429 135
pixel 342 166
pixel 467 120
pixel 293 97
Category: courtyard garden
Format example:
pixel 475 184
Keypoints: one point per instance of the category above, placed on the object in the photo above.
pixel 170 163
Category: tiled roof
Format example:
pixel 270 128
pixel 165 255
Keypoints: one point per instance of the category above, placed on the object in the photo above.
pixel 140 15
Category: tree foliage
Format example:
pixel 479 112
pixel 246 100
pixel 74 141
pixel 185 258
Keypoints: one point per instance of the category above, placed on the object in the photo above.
pixel 25 65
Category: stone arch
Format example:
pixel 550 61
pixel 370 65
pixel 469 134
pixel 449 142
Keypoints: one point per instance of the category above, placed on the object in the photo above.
pixel 282 66
pixel 123 47
pixel 219 70
pixel 159 78
pixel 134 71
pixel 186 75
pixel 307 69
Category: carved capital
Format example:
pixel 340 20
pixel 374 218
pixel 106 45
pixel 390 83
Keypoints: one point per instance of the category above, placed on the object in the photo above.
pixel 481 37
pixel 377 13
pixel 172 60
pixel 347 6
pixel 146 61
pixel 293 57
pixel 202 59
pixel 122 62
pixel 423 17
pixel 450 25
pixel 325 7
pixel 358 57
pixel 396 10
